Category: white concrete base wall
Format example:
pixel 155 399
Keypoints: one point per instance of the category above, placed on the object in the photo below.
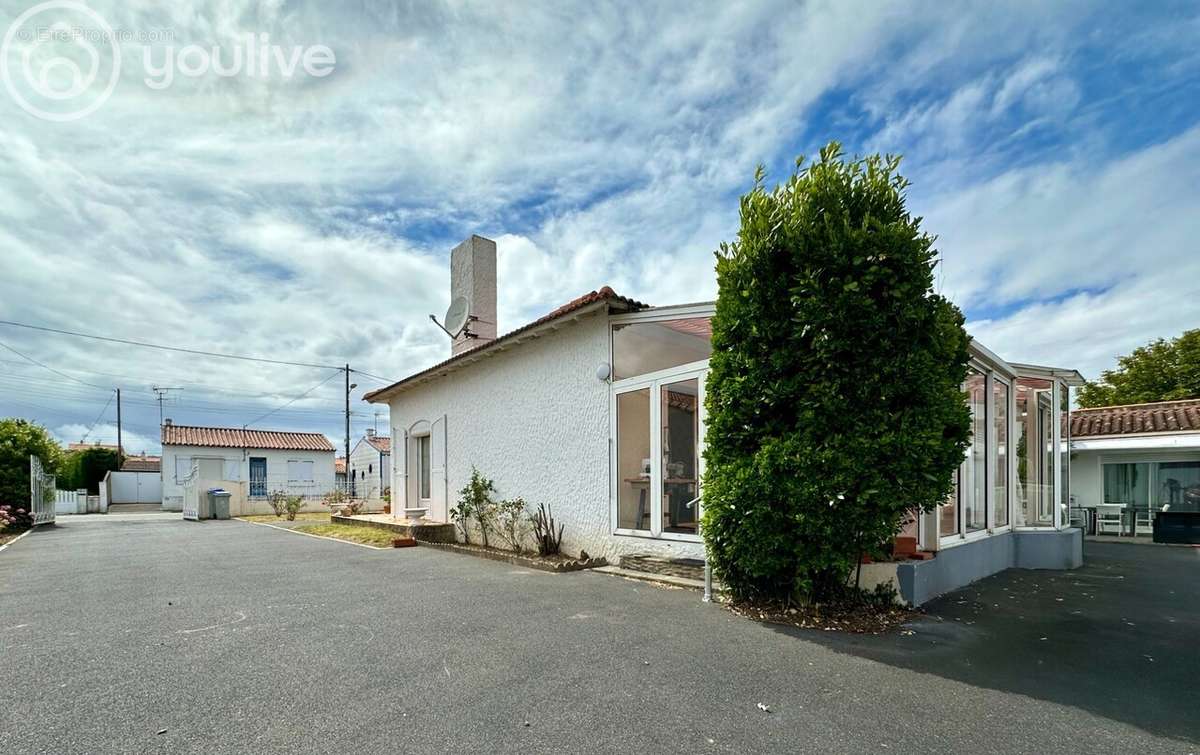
pixel 535 420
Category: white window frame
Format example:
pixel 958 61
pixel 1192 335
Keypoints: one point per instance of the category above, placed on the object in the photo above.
pixel 426 438
pixel 655 382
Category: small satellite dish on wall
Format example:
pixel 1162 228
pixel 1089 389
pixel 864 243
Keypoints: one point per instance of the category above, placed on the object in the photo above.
pixel 456 319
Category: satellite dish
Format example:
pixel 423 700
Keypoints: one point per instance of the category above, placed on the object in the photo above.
pixel 457 316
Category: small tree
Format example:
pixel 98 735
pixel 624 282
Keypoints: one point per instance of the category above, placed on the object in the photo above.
pixel 86 468
pixel 512 522
pixel 834 393
pixel 1161 370
pixel 278 501
pixel 20 439
pixel 292 505
pixel 476 503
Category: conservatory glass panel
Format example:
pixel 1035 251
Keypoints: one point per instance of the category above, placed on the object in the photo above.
pixel 1000 481
pixel 975 474
pixel 643 347
pixel 633 460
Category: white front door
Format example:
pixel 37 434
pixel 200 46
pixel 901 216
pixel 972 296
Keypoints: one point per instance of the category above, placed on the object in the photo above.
pixel 658 454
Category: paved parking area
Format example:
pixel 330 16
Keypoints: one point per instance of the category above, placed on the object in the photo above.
pixel 143 633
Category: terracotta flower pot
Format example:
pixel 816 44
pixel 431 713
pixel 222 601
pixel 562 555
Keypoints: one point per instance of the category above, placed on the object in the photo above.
pixel 403 542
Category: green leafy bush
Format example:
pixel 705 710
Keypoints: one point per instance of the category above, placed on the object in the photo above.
pixel 278 501
pixel 476 504
pixel 292 505
pixel 86 469
pixel 834 394
pixel 20 439
pixel 512 522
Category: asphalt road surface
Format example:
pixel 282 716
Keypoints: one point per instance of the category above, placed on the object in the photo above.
pixel 144 633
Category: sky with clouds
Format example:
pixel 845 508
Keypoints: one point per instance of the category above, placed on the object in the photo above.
pixel 1053 148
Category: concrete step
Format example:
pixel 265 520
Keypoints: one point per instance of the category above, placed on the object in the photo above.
pixel 683 568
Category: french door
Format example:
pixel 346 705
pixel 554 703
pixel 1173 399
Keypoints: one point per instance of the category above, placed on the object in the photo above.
pixel 658 453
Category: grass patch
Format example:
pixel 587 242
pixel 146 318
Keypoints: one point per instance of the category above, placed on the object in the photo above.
pixel 315 516
pixel 353 533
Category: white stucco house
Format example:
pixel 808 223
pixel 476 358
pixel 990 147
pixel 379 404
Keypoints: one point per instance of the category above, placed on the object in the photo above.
pixel 370 467
pixel 1132 463
pixel 597 409
pixel 249 463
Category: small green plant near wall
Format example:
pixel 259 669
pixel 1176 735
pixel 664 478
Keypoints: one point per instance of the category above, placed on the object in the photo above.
pixel 546 531
pixel 278 501
pixel 292 506
pixel 834 394
pixel 477 505
pixel 513 523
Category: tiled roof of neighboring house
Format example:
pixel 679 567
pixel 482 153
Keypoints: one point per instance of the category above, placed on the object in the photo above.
pixel 339 465
pixel 1137 419
pixel 235 437
pixel 86 446
pixel 141 463
pixel 381 444
pixel 605 294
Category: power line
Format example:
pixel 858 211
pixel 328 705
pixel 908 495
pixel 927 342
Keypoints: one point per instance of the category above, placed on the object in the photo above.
pixel 97 420
pixel 179 349
pixel 297 398
pixel 48 367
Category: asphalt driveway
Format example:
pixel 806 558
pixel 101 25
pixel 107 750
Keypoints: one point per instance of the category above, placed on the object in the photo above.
pixel 143 633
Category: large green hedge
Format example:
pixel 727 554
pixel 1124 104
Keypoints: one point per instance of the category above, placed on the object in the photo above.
pixel 834 397
pixel 20 439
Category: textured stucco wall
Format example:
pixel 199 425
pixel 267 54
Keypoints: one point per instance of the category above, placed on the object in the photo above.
pixel 535 419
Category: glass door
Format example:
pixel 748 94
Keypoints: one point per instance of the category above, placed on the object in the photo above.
pixel 258 477
pixel 658 454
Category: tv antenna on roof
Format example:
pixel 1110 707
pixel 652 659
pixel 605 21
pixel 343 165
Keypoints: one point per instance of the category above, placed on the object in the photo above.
pixel 457 320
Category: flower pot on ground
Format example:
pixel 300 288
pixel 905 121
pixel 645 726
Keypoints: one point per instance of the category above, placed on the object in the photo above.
pixel 403 542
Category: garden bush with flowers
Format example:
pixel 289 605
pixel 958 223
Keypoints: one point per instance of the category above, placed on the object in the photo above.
pixel 14 519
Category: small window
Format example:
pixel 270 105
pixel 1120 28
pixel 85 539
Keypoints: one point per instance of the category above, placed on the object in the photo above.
pixel 423 467
pixel 370 469
pixel 300 471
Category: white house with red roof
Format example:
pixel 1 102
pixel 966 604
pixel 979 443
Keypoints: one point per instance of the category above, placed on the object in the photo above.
pixel 369 472
pixel 251 464
pixel 1130 464
pixel 597 409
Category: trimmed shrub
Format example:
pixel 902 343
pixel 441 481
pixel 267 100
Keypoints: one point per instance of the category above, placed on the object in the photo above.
pixel 834 394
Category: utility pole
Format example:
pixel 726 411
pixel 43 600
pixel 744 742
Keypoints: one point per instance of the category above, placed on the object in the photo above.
pixel 118 428
pixel 161 393
pixel 349 385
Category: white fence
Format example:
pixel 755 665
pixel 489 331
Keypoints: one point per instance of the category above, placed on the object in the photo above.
pixel 70 502
pixel 41 493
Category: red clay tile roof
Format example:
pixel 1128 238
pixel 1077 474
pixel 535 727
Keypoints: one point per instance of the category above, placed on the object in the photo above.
pixel 605 294
pixel 381 444
pixel 1135 419
pixel 235 437
pixel 141 464
pixel 86 446
pixel 339 465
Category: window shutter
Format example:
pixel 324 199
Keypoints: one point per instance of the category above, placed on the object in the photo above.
pixel 183 467
pixel 437 470
pixel 400 486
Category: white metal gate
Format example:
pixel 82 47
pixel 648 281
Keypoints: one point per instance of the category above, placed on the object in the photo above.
pixel 41 493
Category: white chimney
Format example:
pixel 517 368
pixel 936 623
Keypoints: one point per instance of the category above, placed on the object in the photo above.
pixel 370 432
pixel 473 277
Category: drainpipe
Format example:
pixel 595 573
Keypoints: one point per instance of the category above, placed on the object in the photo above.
pixel 707 578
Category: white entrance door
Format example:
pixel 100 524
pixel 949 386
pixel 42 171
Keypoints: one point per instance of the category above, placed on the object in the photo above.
pixel 659 450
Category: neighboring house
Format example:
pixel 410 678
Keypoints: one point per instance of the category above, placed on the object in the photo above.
pixel 370 466
pixel 597 409
pixel 142 463
pixel 249 463
pixel 1128 462
pixel 339 472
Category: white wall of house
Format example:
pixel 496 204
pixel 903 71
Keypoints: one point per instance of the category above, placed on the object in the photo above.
pixel 371 470
pixel 535 419
pixel 234 467
pixel 1087 478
